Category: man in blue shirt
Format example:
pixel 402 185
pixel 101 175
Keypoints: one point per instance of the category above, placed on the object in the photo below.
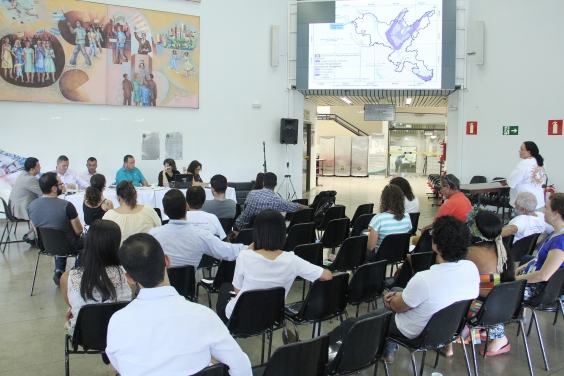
pixel 120 45
pixel 131 173
pixel 80 34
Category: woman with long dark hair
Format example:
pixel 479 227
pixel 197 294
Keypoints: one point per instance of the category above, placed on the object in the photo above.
pixel 529 175
pixel 94 200
pixel 194 168
pixel 411 202
pixel 100 277
pixel 259 183
pixel 168 174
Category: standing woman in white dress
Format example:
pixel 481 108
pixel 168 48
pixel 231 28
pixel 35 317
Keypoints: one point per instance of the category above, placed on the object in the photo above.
pixel 528 176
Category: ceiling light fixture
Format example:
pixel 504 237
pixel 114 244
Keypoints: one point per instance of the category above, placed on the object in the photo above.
pixel 346 100
pixel 408 101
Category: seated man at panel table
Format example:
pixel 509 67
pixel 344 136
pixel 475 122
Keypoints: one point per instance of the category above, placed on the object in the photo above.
pixel 195 197
pixel 91 166
pixel 527 222
pixel 49 211
pixel 24 192
pixel 265 198
pixel 161 333
pixel 131 173
pixel 68 177
pixel 220 206
pixel 186 244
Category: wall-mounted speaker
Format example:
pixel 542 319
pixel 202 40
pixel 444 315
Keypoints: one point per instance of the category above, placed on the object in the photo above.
pixel 289 131
pixel 480 29
pixel 274 47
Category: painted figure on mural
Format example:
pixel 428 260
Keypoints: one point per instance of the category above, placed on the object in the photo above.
pixel 29 59
pixel 188 67
pixel 99 37
pixel 7 59
pixel 142 70
pixel 40 61
pixel 80 34
pixel 92 42
pixel 49 61
pixel 145 93
pixel 120 45
pixel 152 85
pixel 136 89
pixel 174 62
pixel 127 90
pixel 18 52
pixel 23 7
pixel 144 44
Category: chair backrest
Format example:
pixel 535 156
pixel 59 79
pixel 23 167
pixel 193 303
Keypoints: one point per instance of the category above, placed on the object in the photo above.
pixel 334 212
pixel 302 201
pixel 245 236
pixel 325 298
pixel 502 304
pixel 425 243
pixel 422 261
pixel 303 233
pixel 367 282
pixel 91 326
pixel 351 253
pixel 257 311
pixel 323 201
pixel 252 221
pixel 53 242
pixel 414 222
pixel 551 290
pixel 215 370
pixel 301 216
pixel 225 272
pixel 361 224
pixel 97 216
pixel 237 211
pixel 7 211
pixel 312 253
pixel 159 214
pixel 335 232
pixel 227 224
pixel 183 279
pixel 525 246
pixel 508 243
pixel 362 209
pixel 394 247
pixel 207 261
pixel 444 325
pixel 478 179
pixel 361 345
pixel 304 358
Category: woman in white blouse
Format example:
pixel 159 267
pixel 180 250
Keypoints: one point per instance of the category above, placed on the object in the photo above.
pixel 411 202
pixel 264 265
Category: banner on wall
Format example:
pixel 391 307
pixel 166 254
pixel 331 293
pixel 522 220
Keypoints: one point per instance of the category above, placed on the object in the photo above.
pixel 11 166
pixel 327 153
pixel 359 159
pixel 377 154
pixel 343 155
pixel 66 51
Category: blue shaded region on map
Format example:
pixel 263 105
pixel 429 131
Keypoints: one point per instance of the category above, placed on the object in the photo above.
pixel 399 32
pixel 336 26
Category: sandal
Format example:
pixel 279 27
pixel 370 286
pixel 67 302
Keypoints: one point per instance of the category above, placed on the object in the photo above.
pixel 504 349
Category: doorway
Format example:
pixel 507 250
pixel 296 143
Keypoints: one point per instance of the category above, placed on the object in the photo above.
pixel 306 165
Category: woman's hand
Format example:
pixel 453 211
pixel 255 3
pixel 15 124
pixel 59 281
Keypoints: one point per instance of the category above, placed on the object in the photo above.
pixel 184 170
pixel 69 315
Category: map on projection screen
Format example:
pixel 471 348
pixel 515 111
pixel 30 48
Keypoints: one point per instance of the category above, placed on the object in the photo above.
pixel 377 44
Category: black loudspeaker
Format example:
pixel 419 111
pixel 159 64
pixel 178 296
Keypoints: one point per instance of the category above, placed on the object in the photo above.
pixel 289 131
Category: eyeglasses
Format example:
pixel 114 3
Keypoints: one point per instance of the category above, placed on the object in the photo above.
pixel 445 179
pixel 60 184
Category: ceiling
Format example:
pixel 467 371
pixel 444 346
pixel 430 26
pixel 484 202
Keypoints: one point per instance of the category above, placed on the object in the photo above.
pixel 420 98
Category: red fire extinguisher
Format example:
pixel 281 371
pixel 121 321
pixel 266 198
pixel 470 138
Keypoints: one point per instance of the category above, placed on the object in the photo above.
pixel 549 190
pixel 443 147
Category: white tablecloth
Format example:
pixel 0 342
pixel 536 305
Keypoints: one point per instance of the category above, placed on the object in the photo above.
pixel 145 196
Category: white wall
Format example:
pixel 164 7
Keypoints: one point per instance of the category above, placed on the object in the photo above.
pixel 225 134
pixel 519 84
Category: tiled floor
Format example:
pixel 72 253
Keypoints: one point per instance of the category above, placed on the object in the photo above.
pixel 32 334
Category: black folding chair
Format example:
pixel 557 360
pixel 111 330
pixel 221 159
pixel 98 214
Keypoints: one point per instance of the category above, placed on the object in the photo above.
pixel 51 243
pixel 215 370
pixel 334 212
pixel 414 222
pixel 245 236
pixel 443 328
pixel 237 211
pixel 350 255
pixel 302 216
pixel 252 221
pixel 335 233
pixel 304 358
pixel 312 253
pixel 367 285
pixel 419 262
pixel 97 216
pixel 258 312
pixel 361 224
pixel 425 243
pixel 362 210
pixel 207 262
pixel 227 224
pixel 183 279
pixel 159 214
pixel 323 201
pixel 504 305
pixel 362 347
pixel 394 249
pixel 225 272
pixel 524 246
pixel 11 222
pixel 324 301
pixel 303 233
pixel 548 297
pixel 90 330
pixel 301 201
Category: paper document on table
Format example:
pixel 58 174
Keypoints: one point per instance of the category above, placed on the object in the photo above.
pixel 150 146
pixel 498 180
pixel 173 145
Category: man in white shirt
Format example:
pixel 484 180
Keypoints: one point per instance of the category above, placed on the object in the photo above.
pixel 184 243
pixel 161 333
pixel 195 197
pixel 91 165
pixel 68 177
pixel 220 206
pixel 528 221
pixel 452 279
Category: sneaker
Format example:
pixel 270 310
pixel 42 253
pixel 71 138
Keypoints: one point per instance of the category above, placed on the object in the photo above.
pixel 29 241
pixel 57 277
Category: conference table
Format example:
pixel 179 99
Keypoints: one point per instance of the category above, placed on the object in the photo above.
pixel 482 188
pixel 145 196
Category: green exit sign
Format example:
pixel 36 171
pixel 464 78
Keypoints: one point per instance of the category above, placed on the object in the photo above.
pixel 511 131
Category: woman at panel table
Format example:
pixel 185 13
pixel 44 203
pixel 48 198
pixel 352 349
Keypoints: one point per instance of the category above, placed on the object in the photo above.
pixel 169 172
pixel 529 174
pixel 194 168
pixel 94 201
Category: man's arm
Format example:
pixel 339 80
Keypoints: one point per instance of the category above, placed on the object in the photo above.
pixel 395 302
pixel 212 246
pixel 225 349
pixel 76 226
pixel 509 230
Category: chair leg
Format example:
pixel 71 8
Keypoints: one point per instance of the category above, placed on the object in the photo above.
pixel 533 318
pixel 319 328
pixel 386 368
pixel 465 355
pixel 376 367
pixel 313 330
pixel 540 340
pixel 422 363
pixel 209 300
pixel 561 310
pixel 526 347
pixel 296 330
pixel 34 273
pixel 487 338
pixel 474 354
pixel 358 307
pixel 437 359
pixel 2 238
pixel 262 350
pixel 303 290
pixel 67 368
pixel 413 364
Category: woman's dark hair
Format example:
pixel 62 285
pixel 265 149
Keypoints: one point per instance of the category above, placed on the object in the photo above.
pixel 170 162
pixel 269 230
pixel 100 251
pixel 556 203
pixel 451 236
pixel 193 166
pixel 258 181
pixel 126 191
pixel 392 201
pixel 404 186
pixel 93 194
pixel 531 147
pixel 143 259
